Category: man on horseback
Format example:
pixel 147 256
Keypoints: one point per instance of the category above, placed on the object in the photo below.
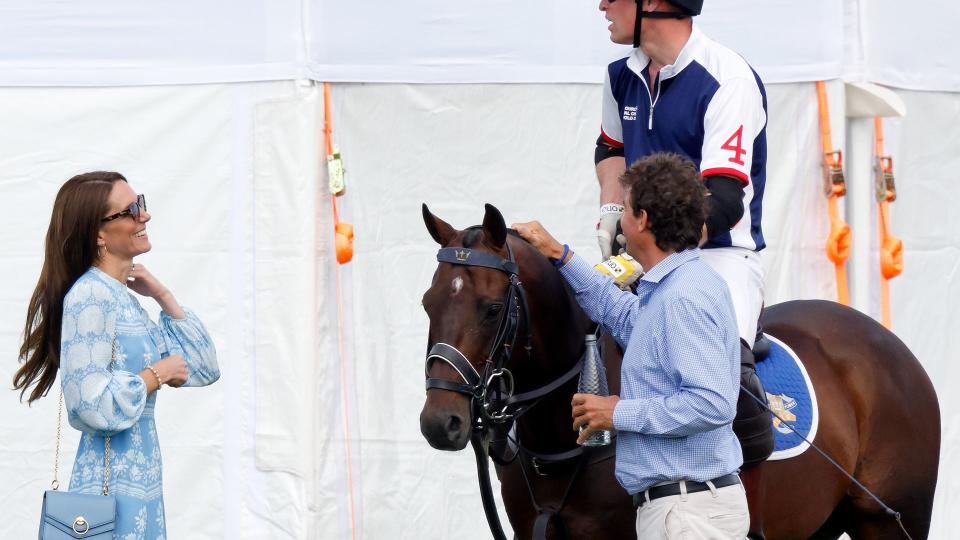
pixel 676 450
pixel 681 92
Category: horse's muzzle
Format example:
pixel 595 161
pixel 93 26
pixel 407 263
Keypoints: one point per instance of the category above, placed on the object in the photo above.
pixel 445 431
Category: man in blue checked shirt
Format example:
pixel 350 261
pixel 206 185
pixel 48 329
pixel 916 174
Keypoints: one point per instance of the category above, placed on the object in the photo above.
pixel 676 450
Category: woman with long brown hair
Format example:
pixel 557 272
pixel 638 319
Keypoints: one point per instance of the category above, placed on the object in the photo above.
pixel 83 321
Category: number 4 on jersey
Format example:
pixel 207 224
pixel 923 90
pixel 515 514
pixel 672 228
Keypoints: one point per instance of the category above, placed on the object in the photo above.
pixel 735 145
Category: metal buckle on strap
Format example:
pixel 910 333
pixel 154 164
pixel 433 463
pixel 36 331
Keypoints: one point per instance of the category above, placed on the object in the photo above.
pixel 535 461
pixel 501 414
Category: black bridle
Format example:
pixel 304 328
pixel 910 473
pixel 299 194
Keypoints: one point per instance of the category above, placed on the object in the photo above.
pixel 487 399
pixel 493 403
pixel 491 392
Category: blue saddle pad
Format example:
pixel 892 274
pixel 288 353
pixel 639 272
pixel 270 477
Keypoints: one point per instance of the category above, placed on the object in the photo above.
pixel 790 395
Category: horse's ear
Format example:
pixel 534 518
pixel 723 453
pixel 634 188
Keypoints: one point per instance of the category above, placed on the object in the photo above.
pixel 494 226
pixel 440 230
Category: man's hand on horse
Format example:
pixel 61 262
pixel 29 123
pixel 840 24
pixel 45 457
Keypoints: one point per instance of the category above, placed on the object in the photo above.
pixel 538 237
pixel 593 412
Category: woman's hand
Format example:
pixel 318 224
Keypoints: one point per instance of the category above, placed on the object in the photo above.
pixel 538 237
pixel 142 282
pixel 173 370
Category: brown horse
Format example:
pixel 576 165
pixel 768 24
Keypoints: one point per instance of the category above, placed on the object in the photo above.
pixel 879 416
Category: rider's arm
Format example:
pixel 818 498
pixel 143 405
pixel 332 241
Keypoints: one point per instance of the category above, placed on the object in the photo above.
pixel 609 172
pixel 610 165
pixel 609 154
pixel 733 120
pixel 611 204
pixel 731 124
pixel 725 203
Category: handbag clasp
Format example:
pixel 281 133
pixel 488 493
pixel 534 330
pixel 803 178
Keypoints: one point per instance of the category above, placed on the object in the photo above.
pixel 80 525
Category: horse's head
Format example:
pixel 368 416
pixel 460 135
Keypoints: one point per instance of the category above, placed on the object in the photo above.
pixel 467 304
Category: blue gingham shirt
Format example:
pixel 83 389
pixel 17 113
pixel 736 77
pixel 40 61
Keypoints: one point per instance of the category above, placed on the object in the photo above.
pixel 681 368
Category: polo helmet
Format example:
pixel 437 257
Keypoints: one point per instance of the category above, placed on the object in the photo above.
pixel 690 7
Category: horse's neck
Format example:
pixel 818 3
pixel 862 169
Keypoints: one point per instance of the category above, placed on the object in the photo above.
pixel 546 427
pixel 558 330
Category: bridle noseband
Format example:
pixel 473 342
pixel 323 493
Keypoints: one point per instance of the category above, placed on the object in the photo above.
pixel 490 402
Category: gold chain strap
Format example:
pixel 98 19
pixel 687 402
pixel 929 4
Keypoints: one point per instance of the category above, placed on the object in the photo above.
pixel 106 441
pixel 56 459
pixel 106 466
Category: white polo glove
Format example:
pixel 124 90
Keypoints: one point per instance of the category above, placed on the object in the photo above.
pixel 623 268
pixel 607 229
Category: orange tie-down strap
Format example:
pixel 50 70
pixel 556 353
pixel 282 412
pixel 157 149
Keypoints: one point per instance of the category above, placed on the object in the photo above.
pixel 838 249
pixel 343 238
pixel 891 247
pixel 891 263
pixel 342 232
pixel 841 236
pixel 343 243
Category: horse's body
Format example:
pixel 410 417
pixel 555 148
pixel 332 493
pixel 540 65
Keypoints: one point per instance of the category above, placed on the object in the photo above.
pixel 879 417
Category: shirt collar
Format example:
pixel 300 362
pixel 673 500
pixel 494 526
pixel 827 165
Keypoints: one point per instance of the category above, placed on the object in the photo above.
pixel 637 60
pixel 673 261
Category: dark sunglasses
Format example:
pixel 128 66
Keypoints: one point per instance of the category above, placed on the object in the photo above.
pixel 133 210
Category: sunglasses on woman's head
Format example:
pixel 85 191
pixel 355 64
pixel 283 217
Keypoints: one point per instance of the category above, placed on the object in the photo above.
pixel 133 210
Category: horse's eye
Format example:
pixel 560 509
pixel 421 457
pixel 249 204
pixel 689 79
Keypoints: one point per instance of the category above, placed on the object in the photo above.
pixel 493 310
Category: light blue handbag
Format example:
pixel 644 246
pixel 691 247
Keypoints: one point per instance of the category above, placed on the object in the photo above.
pixel 71 516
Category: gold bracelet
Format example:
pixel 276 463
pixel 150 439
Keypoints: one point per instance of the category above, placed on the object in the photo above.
pixel 157 375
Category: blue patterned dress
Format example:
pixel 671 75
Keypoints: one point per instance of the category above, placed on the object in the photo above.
pixel 104 395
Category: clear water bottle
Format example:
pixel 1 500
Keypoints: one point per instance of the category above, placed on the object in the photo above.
pixel 593 380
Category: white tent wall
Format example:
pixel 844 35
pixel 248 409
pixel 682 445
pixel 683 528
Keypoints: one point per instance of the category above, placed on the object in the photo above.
pixel 112 42
pixel 911 47
pixel 118 43
pixel 543 41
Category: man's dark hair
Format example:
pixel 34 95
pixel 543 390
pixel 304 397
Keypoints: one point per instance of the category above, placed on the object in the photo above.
pixel 669 188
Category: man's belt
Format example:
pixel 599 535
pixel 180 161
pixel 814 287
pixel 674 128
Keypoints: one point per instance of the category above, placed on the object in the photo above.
pixel 669 490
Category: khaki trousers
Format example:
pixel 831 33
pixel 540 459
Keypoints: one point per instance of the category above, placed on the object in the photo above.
pixel 708 515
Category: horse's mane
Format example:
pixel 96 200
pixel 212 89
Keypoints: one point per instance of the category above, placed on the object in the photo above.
pixel 473 233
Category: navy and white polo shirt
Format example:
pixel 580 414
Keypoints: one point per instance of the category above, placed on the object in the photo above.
pixel 709 106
